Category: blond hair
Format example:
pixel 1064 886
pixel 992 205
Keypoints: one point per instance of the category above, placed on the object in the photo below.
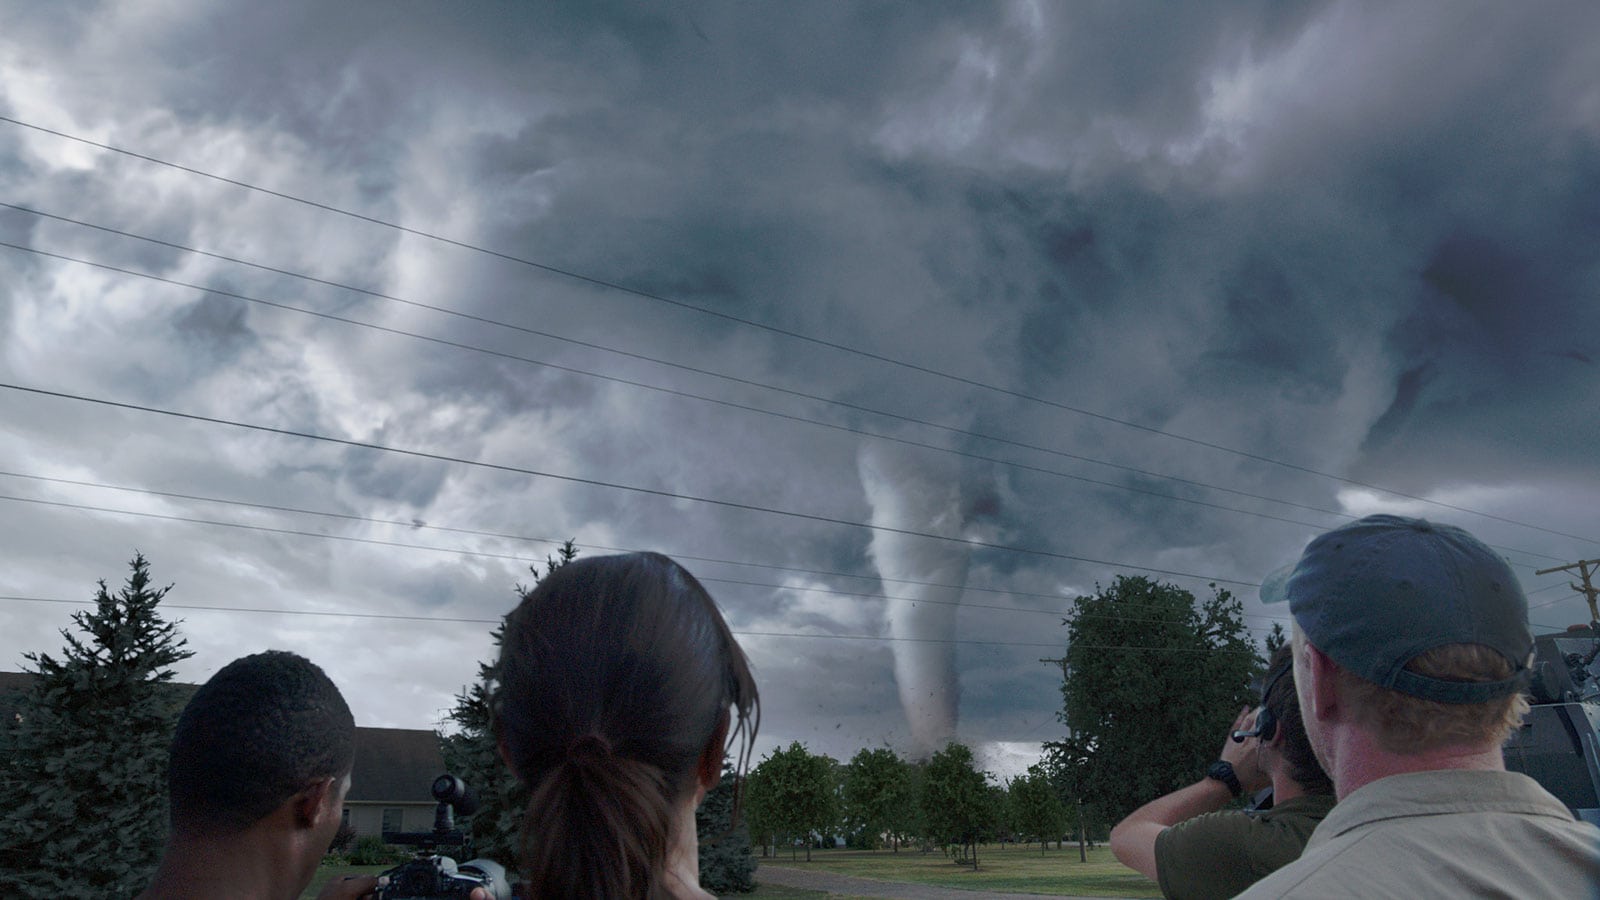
pixel 1408 725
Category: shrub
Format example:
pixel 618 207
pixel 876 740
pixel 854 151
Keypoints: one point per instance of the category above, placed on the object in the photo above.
pixel 370 850
pixel 342 838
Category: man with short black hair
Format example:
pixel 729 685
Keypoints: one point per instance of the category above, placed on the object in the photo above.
pixel 1193 847
pixel 1411 652
pixel 259 768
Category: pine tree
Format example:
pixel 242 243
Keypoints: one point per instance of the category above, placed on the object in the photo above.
pixel 471 751
pixel 726 864
pixel 84 776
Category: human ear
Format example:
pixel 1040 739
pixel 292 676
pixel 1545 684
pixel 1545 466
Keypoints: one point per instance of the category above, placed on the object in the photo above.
pixel 505 757
pixel 1321 689
pixel 709 769
pixel 311 803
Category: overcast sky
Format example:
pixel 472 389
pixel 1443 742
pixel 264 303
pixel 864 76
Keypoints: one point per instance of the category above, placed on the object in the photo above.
pixel 1094 286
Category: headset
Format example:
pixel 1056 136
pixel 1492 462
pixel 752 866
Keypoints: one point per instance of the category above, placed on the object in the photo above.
pixel 1266 725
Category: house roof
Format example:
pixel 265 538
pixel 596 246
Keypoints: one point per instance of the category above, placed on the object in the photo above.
pixel 12 686
pixel 395 765
pixel 392 765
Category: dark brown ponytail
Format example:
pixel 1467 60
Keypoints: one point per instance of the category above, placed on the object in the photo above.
pixel 597 828
pixel 617 674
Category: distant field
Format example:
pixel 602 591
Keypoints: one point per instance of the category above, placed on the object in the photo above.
pixel 762 892
pixel 328 873
pixel 1015 869
pixel 1022 870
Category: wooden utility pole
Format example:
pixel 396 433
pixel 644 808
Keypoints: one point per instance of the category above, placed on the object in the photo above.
pixel 1587 568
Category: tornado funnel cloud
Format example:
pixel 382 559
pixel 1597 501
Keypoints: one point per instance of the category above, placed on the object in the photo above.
pixel 911 494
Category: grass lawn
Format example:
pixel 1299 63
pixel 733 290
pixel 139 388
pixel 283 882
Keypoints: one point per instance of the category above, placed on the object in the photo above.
pixel 762 892
pixel 1016 869
pixel 328 873
pixel 1022 870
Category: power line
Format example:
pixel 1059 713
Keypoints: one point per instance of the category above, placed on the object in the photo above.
pixel 473 621
pixel 169 517
pixel 748 408
pixel 553 542
pixel 772 329
pixel 727 403
pixel 595 482
pixel 782 634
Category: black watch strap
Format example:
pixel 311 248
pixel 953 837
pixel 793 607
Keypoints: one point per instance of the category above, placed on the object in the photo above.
pixel 1222 771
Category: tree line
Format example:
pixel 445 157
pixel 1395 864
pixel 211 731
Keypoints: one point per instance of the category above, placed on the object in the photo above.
pixel 797 799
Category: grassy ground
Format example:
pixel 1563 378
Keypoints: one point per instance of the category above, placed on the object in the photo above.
pixel 328 873
pixel 1015 869
pixel 762 892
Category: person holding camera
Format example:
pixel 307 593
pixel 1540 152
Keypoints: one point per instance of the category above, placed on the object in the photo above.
pixel 1411 654
pixel 618 683
pixel 1195 849
pixel 259 768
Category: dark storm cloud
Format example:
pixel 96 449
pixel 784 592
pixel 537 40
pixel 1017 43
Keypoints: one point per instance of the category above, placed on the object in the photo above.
pixel 1357 238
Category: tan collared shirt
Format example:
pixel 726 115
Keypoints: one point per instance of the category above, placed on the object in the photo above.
pixel 1449 833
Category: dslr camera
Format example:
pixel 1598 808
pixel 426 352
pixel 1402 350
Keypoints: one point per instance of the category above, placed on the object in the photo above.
pixel 433 875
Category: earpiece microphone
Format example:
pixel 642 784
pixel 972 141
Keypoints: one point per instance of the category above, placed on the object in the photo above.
pixel 1266 725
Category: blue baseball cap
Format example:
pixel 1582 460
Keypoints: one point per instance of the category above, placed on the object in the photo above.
pixel 1376 593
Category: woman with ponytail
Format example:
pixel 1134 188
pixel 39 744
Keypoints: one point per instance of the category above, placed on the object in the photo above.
pixel 619 686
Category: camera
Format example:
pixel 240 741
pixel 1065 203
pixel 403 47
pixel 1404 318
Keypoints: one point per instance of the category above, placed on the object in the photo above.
pixel 433 875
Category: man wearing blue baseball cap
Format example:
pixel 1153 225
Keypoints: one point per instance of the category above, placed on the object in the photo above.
pixel 1411 653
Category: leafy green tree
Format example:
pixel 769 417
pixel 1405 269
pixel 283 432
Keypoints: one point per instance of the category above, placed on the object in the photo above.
pixel 1036 807
pixel 792 796
pixel 956 801
pixel 84 777
pixel 1002 825
pixel 472 753
pixel 759 814
pixel 1151 681
pixel 877 795
pixel 726 865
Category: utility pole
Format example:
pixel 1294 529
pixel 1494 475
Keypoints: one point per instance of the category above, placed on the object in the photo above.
pixel 1587 568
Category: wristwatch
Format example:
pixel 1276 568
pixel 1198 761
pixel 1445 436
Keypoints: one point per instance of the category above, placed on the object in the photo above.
pixel 1222 770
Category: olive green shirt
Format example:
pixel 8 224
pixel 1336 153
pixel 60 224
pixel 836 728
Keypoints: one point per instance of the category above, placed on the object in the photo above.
pixel 1217 855
pixel 1452 833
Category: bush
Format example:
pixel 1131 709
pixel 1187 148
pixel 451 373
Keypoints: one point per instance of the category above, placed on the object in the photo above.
pixel 342 838
pixel 726 866
pixel 370 850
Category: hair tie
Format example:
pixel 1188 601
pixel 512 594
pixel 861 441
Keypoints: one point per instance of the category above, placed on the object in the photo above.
pixel 588 748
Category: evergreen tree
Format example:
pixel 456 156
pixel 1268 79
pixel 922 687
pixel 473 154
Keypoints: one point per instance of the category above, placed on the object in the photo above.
pixel 726 864
pixel 471 752
pixel 1276 638
pixel 84 775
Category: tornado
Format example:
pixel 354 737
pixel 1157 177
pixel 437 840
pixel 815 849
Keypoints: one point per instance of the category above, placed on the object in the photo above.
pixel 912 494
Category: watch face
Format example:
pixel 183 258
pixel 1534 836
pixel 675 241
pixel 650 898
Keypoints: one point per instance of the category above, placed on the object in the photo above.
pixel 1222 771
